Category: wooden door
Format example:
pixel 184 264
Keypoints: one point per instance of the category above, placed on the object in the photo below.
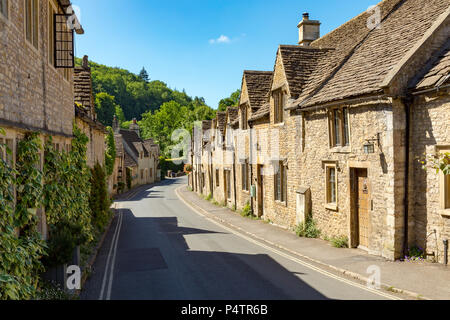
pixel 260 191
pixel 363 206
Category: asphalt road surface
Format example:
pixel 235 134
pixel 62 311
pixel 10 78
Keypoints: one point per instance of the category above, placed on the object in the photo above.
pixel 159 249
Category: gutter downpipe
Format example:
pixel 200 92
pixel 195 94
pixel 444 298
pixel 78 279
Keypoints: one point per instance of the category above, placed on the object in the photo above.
pixel 407 104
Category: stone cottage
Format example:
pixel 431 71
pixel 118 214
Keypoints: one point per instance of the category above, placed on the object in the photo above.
pixel 350 117
pixel 140 157
pixel 36 73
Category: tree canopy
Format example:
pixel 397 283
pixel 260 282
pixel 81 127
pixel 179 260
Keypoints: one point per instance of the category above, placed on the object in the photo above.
pixel 231 101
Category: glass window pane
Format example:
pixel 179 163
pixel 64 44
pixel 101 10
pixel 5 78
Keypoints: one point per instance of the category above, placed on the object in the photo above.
pixel 337 132
pixel 447 191
pixel 346 128
pixel 332 185
pixel 35 23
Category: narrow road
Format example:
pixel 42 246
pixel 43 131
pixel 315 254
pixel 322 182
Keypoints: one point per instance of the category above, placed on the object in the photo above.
pixel 159 248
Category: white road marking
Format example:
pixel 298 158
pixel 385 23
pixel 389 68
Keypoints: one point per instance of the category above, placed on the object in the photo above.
pixel 289 257
pixel 105 275
pixel 113 262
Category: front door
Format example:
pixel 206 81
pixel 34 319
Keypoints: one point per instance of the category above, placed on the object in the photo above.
pixel 362 202
pixel 260 191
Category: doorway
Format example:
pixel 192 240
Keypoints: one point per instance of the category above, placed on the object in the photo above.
pixel 361 208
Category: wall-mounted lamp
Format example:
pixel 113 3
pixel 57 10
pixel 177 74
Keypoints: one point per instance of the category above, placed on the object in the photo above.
pixel 369 146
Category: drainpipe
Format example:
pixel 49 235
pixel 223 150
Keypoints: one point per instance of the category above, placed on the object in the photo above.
pixel 407 104
pixel 251 167
pixel 446 252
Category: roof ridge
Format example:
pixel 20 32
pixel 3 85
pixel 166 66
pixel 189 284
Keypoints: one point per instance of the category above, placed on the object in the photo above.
pixel 348 56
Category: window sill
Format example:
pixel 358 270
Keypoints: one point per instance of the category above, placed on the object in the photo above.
pixel 331 206
pixel 445 213
pixel 280 125
pixel 346 149
pixel 281 203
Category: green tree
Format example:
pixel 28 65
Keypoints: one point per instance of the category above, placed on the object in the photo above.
pixel 110 155
pixel 232 101
pixel 144 75
pixel 105 106
pixel 119 114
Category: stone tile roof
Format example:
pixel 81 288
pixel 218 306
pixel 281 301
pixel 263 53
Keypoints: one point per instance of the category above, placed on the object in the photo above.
pixel 261 113
pixel 129 161
pixel 130 137
pixel 119 145
pixel 233 114
pixel 206 125
pixel 437 72
pixel 258 86
pixel 299 64
pixel 82 88
pixel 363 57
pixel 221 121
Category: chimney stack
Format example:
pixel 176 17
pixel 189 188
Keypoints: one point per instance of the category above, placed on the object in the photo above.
pixel 309 30
pixel 135 127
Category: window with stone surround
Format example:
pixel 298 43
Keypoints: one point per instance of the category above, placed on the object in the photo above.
pixel 244 119
pixel 444 185
pixel 32 22
pixel 331 184
pixel 280 181
pixel 217 177
pixel 339 130
pixel 51 32
pixel 278 100
pixel 228 183
pixel 4 8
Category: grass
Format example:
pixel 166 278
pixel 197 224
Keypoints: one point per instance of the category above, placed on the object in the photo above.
pixel 308 230
pixel 339 242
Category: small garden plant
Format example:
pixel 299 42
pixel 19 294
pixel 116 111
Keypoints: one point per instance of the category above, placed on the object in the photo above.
pixel 339 242
pixel 308 229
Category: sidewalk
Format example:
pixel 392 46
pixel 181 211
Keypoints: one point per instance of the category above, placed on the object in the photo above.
pixel 418 279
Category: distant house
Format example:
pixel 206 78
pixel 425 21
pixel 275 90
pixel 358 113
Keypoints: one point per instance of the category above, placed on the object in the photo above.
pixel 36 72
pixel 86 117
pixel 140 157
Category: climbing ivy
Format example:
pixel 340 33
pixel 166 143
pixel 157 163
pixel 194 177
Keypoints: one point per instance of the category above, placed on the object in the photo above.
pixel 110 156
pixel 20 244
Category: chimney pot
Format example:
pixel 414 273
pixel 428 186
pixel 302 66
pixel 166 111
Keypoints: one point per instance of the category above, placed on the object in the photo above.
pixel 305 16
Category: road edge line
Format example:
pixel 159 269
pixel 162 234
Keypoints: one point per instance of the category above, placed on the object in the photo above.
pixel 352 274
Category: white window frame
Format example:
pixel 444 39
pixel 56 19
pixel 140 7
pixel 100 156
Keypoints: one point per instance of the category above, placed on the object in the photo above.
pixel 328 192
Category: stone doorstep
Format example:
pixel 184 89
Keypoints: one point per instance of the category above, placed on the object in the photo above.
pixel 352 274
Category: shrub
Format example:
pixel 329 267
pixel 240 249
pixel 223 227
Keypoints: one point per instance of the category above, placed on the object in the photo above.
pixel 308 229
pixel 99 201
pixel 339 242
pixel 415 253
pixel 247 211
pixel 209 197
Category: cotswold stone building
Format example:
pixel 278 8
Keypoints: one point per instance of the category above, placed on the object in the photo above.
pixel 140 157
pixel 36 73
pixel 86 117
pixel 343 125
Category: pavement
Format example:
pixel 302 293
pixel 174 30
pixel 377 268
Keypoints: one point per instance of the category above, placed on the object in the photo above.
pixel 161 247
pixel 419 280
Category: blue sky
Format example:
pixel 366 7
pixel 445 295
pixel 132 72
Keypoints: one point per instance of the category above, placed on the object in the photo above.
pixel 201 46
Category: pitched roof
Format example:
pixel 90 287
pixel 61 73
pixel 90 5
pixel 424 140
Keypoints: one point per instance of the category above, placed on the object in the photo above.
pixel 258 86
pixel 233 114
pixel 436 73
pixel 82 88
pixel 299 64
pixel 130 137
pixel 119 145
pixel 261 112
pixel 129 161
pixel 363 58
pixel 221 121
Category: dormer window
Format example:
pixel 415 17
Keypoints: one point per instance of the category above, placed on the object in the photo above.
pixel 278 100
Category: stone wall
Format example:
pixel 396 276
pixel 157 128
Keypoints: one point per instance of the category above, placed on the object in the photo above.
pixel 430 131
pixel 33 94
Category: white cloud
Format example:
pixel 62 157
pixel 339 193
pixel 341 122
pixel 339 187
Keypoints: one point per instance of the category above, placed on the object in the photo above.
pixel 221 39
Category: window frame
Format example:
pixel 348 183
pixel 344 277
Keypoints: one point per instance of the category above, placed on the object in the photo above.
pixel 244 117
pixel 278 104
pixel 329 167
pixel 444 185
pixel 33 38
pixel 5 14
pixel 245 176
pixel 280 183
pixel 339 127
pixel 217 177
